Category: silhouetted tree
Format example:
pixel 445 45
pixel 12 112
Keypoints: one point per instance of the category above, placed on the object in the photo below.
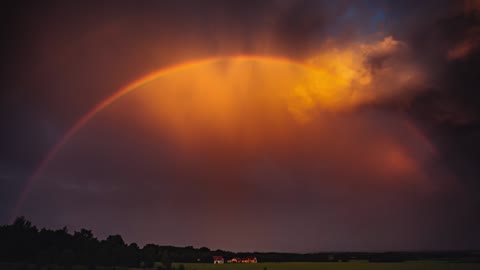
pixel 68 258
pixel 149 255
pixel 132 255
pixel 166 261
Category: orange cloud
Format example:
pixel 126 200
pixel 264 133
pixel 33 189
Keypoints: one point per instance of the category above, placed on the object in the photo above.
pixel 241 109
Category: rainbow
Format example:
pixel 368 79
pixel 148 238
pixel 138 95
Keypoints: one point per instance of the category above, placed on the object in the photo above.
pixel 126 90
pixel 32 179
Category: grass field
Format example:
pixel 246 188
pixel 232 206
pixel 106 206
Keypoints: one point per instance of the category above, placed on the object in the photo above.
pixel 420 265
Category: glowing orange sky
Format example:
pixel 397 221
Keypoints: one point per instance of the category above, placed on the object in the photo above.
pixel 245 107
pixel 251 103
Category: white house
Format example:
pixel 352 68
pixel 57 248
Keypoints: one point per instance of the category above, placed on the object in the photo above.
pixel 218 260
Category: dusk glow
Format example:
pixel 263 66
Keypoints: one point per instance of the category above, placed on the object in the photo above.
pixel 290 126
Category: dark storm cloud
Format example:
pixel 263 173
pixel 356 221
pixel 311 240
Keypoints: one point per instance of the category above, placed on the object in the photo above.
pixel 62 58
pixel 450 109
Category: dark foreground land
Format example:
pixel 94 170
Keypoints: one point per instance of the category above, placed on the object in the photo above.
pixel 25 247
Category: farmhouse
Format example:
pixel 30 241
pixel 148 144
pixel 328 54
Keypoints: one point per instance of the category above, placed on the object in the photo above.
pixel 218 260
pixel 235 260
pixel 249 260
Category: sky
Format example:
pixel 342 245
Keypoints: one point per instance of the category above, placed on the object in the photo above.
pixel 299 126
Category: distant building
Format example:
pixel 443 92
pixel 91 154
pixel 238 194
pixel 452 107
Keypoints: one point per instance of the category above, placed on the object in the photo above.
pixel 243 260
pixel 218 260
pixel 235 260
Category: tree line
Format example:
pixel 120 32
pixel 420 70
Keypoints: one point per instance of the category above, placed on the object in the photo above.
pixel 23 242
